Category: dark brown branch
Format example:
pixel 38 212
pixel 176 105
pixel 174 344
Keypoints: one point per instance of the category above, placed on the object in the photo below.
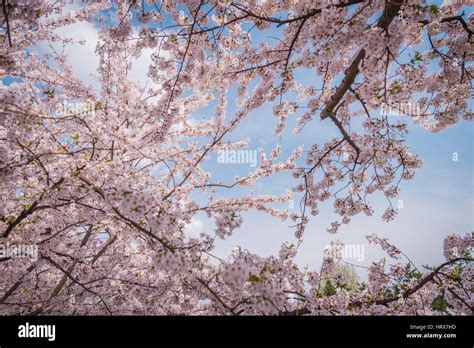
pixel 391 10
pixel 349 77
pixel 104 248
pixel 459 18
pixel 148 233
pixel 188 45
pixel 280 22
pixel 421 283
pixel 67 273
pixel 5 14
pixel 203 283
pixel 16 285
pixel 386 301
pixel 27 212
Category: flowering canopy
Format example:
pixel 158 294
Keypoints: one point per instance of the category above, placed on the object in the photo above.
pixel 82 183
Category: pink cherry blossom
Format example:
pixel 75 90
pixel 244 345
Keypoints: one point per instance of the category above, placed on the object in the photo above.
pixel 107 188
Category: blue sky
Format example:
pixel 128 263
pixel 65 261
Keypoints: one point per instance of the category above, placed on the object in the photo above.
pixel 437 202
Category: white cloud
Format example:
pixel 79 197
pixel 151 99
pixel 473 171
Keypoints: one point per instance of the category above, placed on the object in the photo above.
pixel 85 61
pixel 82 57
pixel 140 67
pixel 194 228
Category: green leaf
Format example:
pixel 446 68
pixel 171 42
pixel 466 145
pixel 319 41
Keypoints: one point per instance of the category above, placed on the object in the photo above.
pixel 440 304
pixel 49 93
pixel 329 289
pixel 9 219
pixel 396 88
pixel 26 206
pixel 75 137
pixel 434 9
pixel 253 278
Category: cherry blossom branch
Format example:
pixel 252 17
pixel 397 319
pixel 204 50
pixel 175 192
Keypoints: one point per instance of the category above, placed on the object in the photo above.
pixel 15 286
pixel 217 297
pixel 459 18
pixel 280 22
pixel 67 273
pixel 5 14
pixel 26 212
pixel 391 10
pixel 422 282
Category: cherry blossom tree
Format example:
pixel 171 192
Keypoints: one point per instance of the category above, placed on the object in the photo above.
pixel 82 183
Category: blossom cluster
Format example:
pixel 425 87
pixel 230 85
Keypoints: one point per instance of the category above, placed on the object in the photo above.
pixel 109 195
